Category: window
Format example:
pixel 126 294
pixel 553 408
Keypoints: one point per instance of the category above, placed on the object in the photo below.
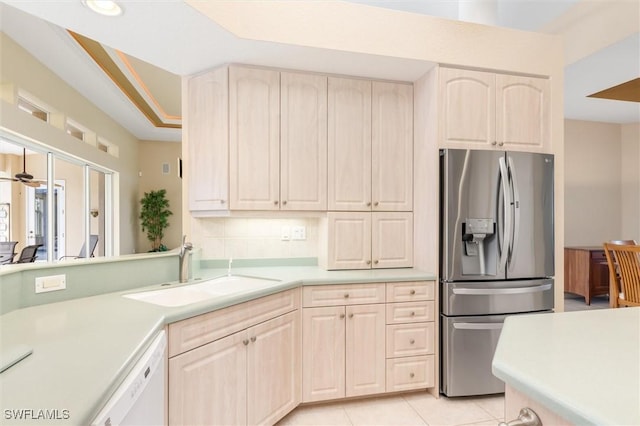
pixel 33 109
pixel 75 130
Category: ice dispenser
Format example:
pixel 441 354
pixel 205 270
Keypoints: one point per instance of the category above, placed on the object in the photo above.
pixel 474 233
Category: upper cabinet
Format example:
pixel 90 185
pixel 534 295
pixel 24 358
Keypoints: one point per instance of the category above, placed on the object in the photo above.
pixel 206 124
pixel 493 111
pixel 254 138
pixel 303 141
pixel 370 145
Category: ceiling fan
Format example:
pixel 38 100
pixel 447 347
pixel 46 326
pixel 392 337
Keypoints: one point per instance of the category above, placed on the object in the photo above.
pixel 25 177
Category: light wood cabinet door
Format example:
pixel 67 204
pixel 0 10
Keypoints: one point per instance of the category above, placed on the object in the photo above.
pixel 522 105
pixel 467 108
pixel 254 138
pixel 206 126
pixel 349 245
pixel 392 147
pixel 303 142
pixel 349 144
pixel 323 353
pixel 392 239
pixel 274 369
pixel 365 353
pixel 414 372
pixel 204 384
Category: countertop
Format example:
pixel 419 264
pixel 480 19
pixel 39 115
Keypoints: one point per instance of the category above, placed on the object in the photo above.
pixel 584 366
pixel 84 348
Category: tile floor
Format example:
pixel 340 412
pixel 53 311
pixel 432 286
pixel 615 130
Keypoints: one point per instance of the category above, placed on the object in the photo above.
pixel 419 408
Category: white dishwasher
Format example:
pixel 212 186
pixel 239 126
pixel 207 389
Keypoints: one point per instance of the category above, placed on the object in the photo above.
pixel 140 398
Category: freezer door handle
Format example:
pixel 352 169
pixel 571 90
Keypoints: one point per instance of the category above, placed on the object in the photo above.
pixel 494 291
pixel 515 240
pixel 477 325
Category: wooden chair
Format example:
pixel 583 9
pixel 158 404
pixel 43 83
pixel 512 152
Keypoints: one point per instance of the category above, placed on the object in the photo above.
pixel 624 273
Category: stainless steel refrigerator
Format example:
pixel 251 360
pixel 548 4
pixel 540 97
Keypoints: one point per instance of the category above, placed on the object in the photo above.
pixel 496 259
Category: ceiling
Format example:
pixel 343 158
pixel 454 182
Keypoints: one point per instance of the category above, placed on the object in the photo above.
pixel 155 42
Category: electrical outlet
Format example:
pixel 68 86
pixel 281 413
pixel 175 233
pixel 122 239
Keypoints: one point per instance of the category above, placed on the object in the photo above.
pixel 285 233
pixel 298 233
pixel 51 283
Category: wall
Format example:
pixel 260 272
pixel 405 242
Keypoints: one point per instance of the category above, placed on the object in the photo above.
pixel 630 178
pixel 592 183
pixel 18 69
pixel 152 155
pixel 602 182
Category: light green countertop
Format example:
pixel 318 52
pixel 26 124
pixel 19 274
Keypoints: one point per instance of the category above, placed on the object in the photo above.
pixel 83 348
pixel 584 366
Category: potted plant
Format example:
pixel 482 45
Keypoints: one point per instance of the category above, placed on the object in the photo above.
pixel 155 217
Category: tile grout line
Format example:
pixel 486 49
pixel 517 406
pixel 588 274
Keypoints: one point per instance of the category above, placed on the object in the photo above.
pixel 416 411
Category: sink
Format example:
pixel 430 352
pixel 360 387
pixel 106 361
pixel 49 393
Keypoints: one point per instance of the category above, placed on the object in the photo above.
pixel 203 290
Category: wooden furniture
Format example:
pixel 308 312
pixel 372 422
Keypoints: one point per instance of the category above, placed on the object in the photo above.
pixel 624 267
pixel 489 110
pixel 239 365
pixel 586 272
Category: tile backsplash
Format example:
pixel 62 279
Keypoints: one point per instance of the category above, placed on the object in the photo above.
pixel 253 238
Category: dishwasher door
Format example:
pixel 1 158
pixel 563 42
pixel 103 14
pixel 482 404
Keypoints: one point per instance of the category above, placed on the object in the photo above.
pixel 140 398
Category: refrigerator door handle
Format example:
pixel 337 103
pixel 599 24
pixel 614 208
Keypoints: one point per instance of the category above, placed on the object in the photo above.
pixel 508 202
pixel 494 291
pixel 516 212
pixel 477 325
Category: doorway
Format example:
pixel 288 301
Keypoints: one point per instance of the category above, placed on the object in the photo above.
pixel 36 219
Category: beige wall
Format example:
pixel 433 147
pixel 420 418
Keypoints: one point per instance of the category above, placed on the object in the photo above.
pixel 20 70
pixel 602 182
pixel 152 155
pixel 630 177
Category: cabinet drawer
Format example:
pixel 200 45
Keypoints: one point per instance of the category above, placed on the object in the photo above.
pixel 598 255
pixel 398 313
pixel 410 291
pixel 193 332
pixel 416 372
pixel 336 295
pixel 410 339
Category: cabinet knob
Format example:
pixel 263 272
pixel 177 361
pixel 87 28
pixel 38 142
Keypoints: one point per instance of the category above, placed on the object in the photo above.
pixel 341 316
pixel 368 262
pixel 245 342
pixel 494 143
pixel 350 315
pixel 275 202
pixel 369 204
pixel 413 314
pixel 346 295
pixel 376 204
pixel 412 375
pixel 412 292
pixel 284 203
pixel 253 339
pixel 221 201
pixel 412 341
pixel 375 262
pixel 501 143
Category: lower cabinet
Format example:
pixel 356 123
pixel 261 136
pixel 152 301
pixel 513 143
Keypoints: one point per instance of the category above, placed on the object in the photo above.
pixel 343 351
pixel 250 377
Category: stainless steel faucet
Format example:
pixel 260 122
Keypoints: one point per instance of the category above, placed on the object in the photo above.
pixel 184 259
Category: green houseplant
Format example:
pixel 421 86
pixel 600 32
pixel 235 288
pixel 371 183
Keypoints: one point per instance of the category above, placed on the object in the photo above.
pixel 154 214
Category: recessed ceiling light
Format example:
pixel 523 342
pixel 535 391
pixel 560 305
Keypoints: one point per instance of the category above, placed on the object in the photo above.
pixel 104 7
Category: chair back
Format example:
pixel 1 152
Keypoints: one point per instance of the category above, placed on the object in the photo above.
pixel 93 242
pixel 624 267
pixel 7 251
pixel 28 254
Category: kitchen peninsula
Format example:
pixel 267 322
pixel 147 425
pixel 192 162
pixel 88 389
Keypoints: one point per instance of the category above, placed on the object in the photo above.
pixel 578 368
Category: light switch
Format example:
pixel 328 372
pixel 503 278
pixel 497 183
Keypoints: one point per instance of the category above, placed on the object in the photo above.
pixel 298 233
pixel 285 233
pixel 51 283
